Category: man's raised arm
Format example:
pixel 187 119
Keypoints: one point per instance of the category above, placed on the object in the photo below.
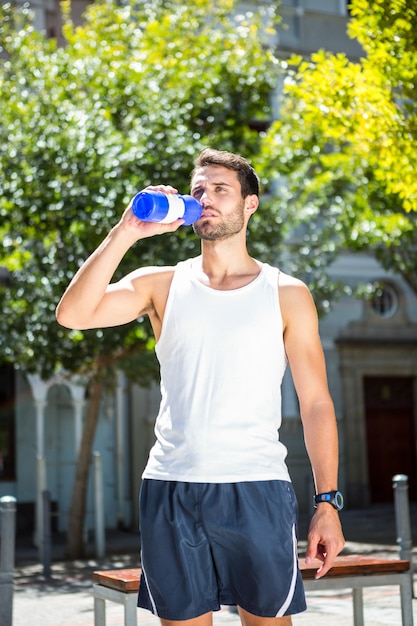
pixel 90 301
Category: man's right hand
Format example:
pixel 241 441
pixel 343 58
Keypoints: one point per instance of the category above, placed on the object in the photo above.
pixel 140 229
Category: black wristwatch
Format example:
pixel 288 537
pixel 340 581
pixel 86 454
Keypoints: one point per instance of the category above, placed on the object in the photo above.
pixel 335 498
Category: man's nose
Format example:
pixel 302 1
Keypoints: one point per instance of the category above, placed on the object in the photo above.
pixel 204 198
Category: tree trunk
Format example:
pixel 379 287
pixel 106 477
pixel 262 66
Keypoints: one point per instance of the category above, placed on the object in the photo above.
pixel 75 543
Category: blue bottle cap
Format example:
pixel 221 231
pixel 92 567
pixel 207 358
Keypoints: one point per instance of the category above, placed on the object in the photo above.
pixel 150 206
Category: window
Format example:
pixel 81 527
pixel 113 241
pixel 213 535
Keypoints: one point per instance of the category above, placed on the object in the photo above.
pixel 385 300
pixel 335 7
pixel 7 423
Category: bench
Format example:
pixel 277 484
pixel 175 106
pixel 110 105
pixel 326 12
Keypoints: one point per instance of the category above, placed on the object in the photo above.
pixel 358 572
pixel 348 572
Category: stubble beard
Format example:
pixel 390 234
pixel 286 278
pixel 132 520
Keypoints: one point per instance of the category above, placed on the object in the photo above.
pixel 229 226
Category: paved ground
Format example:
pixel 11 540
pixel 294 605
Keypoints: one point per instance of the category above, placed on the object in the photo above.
pixel 65 598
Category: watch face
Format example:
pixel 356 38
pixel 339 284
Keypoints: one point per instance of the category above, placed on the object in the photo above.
pixel 338 500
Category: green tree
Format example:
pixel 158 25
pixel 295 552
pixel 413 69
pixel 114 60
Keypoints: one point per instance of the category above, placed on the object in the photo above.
pixel 130 99
pixel 343 153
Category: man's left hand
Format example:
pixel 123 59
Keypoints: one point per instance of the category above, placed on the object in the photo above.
pixel 325 537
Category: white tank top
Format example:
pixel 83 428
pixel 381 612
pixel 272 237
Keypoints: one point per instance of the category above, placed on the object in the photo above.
pixel 222 360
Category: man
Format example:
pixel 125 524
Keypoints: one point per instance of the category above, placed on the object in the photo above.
pixel 218 512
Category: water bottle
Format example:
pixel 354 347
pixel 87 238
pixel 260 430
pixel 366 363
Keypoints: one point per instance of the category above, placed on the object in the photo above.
pixel 156 206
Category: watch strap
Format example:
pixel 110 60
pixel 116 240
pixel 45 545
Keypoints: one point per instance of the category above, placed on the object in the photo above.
pixel 334 498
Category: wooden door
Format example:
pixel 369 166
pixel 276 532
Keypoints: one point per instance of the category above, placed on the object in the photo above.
pixel 390 433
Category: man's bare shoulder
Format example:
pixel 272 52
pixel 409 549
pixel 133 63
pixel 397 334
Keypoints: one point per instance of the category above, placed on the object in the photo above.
pixel 295 299
pixel 145 290
pixel 146 283
pixel 153 277
pixel 290 284
pixel 151 271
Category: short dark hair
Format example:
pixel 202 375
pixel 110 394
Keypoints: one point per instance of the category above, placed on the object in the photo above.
pixel 249 181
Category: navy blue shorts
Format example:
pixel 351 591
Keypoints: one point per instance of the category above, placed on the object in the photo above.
pixel 204 545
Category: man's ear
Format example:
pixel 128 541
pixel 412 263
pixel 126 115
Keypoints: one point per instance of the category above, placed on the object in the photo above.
pixel 251 203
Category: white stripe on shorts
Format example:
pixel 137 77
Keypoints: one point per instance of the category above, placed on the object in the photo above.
pixel 291 590
pixel 154 609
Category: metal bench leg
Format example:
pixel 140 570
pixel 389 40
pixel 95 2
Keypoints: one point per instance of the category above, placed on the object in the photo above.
pixel 358 607
pixel 406 591
pixel 99 612
pixel 131 609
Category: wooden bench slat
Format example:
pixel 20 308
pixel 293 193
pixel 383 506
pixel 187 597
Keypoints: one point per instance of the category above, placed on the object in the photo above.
pixel 127 580
pixel 355 566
